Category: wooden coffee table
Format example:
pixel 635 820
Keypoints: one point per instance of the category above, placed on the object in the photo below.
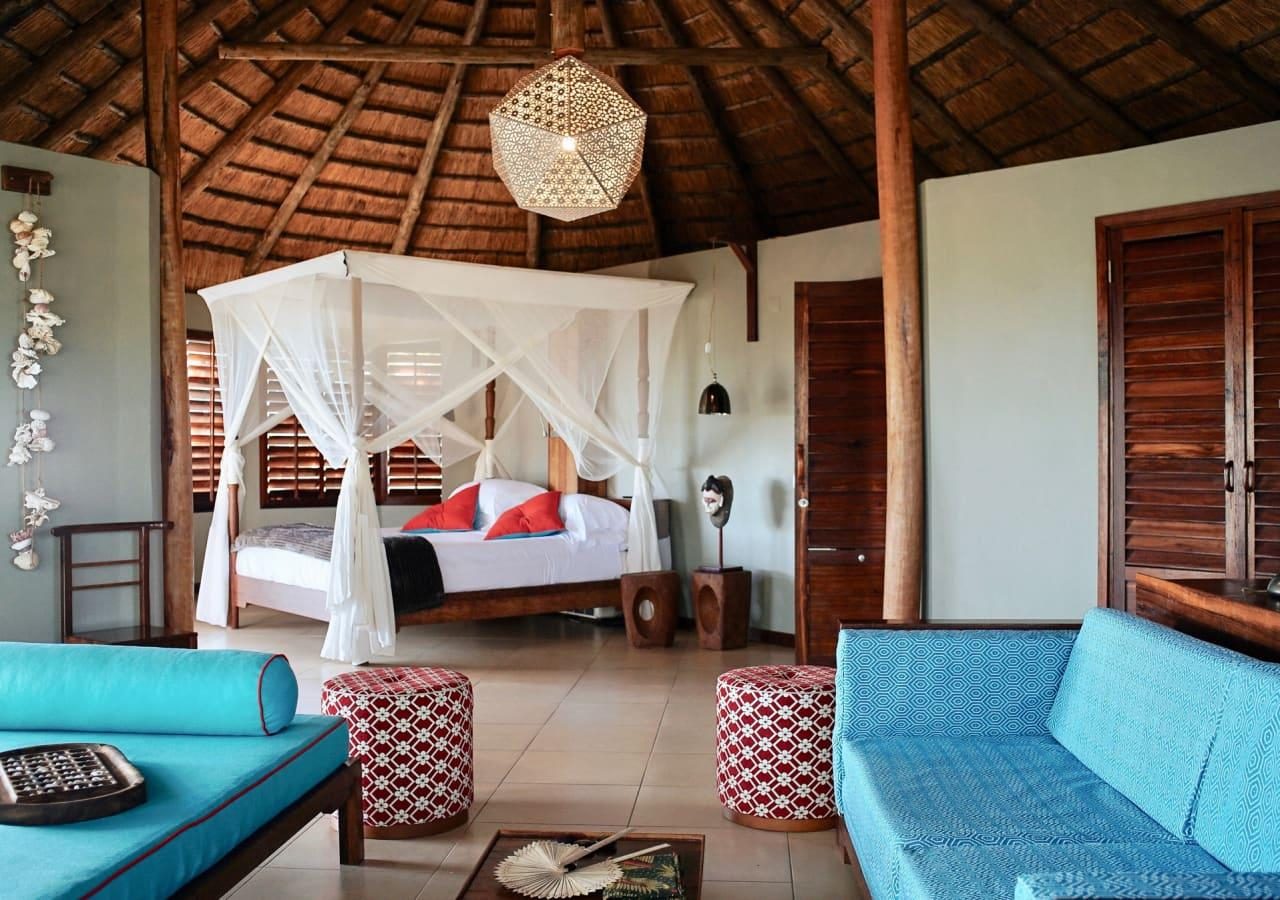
pixel 483 884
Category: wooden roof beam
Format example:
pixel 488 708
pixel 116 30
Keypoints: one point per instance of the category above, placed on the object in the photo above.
pixel 199 177
pixel 609 25
pixel 195 78
pixel 759 216
pixel 931 112
pixel 1227 67
pixel 1048 70
pixel 517 56
pixel 66 50
pixel 325 151
pixel 439 127
pixel 93 103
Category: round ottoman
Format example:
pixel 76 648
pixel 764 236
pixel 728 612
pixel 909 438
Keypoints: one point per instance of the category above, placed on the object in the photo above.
pixel 411 730
pixel 773 747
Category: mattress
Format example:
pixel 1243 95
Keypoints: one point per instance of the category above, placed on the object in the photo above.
pixel 205 795
pixel 467 562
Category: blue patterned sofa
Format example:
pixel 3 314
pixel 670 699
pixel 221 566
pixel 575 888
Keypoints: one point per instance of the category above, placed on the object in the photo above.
pixel 1121 760
pixel 231 772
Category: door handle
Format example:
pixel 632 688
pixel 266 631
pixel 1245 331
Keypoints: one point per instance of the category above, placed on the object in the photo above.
pixel 801 487
pixel 824 549
pixel 1229 476
pixel 1250 476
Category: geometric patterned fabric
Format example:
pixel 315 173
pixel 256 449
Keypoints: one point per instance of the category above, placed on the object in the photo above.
pixel 946 682
pixel 1155 885
pixel 1238 815
pixel 411 729
pixel 906 794
pixel 773 741
pixel 1139 704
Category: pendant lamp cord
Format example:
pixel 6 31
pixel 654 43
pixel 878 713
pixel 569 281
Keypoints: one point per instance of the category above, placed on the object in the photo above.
pixel 709 348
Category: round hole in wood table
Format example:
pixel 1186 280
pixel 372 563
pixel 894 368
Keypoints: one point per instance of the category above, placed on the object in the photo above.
pixel 645 612
pixel 708 607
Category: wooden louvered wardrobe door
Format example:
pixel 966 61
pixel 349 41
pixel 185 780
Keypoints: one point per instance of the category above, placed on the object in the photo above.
pixel 1262 286
pixel 1177 402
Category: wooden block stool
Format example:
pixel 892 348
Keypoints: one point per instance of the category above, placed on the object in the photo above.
pixel 411 729
pixel 722 607
pixel 651 605
pixel 774 728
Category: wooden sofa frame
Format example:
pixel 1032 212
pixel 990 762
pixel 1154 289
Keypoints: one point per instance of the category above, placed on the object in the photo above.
pixel 339 793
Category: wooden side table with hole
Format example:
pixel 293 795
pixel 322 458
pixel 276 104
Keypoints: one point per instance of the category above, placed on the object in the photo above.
pixel 722 607
pixel 651 606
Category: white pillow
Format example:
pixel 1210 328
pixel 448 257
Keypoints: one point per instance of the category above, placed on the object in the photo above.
pixel 497 495
pixel 593 518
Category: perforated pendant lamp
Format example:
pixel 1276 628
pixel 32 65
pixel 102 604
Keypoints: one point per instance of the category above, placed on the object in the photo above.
pixel 567 141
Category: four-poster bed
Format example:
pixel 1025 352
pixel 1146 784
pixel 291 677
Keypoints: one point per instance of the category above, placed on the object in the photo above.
pixel 334 332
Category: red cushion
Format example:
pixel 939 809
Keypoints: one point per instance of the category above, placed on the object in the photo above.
pixel 534 517
pixel 458 513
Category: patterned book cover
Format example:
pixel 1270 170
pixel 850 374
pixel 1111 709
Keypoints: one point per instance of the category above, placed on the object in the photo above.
pixel 647 878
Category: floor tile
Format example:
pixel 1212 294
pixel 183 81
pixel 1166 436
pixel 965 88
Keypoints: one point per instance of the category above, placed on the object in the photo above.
pixel 609 714
pixel 317 848
pixel 679 806
pixel 686 737
pixel 493 765
pixel 553 804
pixel 579 767
pixel 599 739
pixel 372 881
pixel 817 868
pixel 680 770
pixel 745 890
pixel 504 735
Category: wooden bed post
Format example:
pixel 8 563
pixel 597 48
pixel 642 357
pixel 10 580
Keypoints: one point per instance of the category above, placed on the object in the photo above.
pixel 164 157
pixel 900 259
pixel 490 404
pixel 233 532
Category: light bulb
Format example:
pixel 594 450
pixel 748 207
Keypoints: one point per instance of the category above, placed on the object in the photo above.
pixel 568 143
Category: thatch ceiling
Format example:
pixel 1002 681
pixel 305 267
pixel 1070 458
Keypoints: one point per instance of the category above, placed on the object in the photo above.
pixel 731 152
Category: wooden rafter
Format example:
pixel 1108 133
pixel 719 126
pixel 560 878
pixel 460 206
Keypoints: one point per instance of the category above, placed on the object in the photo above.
pixel 65 51
pixel 931 112
pixel 337 131
pixel 738 168
pixel 609 25
pixel 1048 70
pixel 93 103
pixel 1226 67
pixel 854 100
pixel 203 174
pixel 12 12
pixel 115 143
pixel 794 103
pixel 515 56
pixel 439 127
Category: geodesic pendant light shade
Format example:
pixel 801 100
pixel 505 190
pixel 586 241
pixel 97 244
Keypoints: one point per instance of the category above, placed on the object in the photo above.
pixel 567 141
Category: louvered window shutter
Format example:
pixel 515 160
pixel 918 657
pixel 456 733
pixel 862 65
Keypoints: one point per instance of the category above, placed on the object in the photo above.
pixel 1262 272
pixel 205 410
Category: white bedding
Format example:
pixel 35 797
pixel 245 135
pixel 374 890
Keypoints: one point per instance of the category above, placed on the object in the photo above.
pixel 467 562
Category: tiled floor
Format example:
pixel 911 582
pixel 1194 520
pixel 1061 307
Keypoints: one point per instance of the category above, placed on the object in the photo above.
pixel 574 728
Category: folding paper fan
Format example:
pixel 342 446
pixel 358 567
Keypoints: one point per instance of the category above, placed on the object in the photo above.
pixel 539 871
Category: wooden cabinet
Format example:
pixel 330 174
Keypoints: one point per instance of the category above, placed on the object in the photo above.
pixel 1189 327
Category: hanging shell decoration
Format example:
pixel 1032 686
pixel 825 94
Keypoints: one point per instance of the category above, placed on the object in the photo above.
pixel 30 438
pixel 31 242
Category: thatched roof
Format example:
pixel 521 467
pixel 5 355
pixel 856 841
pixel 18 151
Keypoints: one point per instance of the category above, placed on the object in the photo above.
pixel 731 152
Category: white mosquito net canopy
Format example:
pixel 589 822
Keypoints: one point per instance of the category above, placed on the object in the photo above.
pixel 372 350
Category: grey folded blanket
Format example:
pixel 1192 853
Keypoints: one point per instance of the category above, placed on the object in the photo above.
pixel 315 541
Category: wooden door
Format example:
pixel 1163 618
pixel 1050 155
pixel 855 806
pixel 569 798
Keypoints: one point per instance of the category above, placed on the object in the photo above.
pixel 840 461
pixel 1177 401
pixel 1262 481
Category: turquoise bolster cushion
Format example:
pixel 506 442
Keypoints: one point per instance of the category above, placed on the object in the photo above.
pixel 144 690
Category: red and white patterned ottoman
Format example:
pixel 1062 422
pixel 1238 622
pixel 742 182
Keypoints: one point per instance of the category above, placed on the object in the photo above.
pixel 411 729
pixel 774 726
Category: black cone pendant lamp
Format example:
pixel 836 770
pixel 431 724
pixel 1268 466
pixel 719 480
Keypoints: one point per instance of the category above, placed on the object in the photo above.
pixel 715 399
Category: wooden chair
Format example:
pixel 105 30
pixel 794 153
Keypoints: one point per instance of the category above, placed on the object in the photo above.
pixel 144 633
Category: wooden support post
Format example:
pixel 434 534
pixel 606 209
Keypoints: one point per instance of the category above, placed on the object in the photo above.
pixel 164 157
pixel 900 259
pixel 748 255
pixel 233 532
pixel 568 25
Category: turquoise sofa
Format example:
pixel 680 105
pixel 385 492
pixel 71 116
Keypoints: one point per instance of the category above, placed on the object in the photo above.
pixel 231 772
pixel 1122 759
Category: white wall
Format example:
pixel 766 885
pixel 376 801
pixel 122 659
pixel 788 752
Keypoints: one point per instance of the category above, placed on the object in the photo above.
pixel 103 389
pixel 1011 363
pixel 755 446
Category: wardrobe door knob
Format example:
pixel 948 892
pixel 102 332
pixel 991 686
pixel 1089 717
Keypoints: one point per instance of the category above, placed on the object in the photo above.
pixel 803 503
pixel 862 557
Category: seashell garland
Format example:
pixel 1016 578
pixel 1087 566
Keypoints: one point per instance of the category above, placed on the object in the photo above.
pixel 36 341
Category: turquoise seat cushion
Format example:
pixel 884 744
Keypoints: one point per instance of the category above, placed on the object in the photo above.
pixel 204 796
pixel 144 690
pixel 908 792
pixel 992 872
pixel 1238 815
pixel 1139 704
pixel 1154 885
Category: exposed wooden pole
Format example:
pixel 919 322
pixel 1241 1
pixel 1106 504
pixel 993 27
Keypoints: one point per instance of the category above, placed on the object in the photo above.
pixel 323 51
pixel 568 25
pixel 612 38
pixel 1048 70
pixel 337 131
pixel 854 100
pixel 900 261
pixel 160 101
pixel 204 172
pixel 931 112
pixel 439 128
pixel 759 223
pixel 1228 68
pixel 533 221
pixel 66 50
pixel 808 123
pixel 490 410
pixel 83 112
pixel 115 143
